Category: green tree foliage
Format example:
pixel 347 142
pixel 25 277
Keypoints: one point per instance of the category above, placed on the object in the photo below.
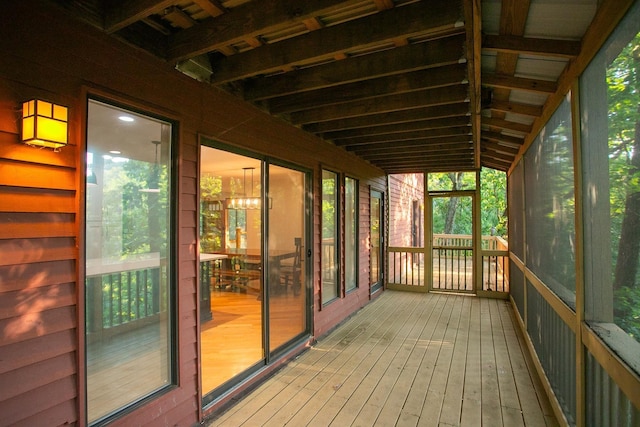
pixel 453 215
pixel 493 202
pixel 623 82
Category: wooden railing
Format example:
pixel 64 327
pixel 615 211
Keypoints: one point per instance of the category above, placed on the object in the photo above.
pixel 452 264
pixel 495 264
pixel 406 267
pixel 123 293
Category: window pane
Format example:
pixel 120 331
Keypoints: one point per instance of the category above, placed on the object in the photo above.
pixel 351 233
pixel 128 273
pixel 550 203
pixel 452 181
pixel 610 95
pixel 329 236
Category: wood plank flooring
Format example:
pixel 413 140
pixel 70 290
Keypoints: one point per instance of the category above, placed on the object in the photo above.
pixel 406 359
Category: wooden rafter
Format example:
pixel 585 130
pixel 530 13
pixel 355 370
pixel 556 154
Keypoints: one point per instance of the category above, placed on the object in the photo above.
pixel 514 107
pixel 399 128
pixel 122 13
pixel 212 7
pixel 464 131
pixel 247 20
pixel 405 101
pixel 533 46
pixel 520 83
pixel 382 148
pixel 437 53
pixel 395 117
pixel 473 22
pixel 400 83
pixel 505 124
pixel 434 17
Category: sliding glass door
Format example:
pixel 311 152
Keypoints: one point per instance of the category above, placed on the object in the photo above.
pixel 253 266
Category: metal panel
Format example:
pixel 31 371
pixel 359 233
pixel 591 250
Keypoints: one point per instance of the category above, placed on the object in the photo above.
pixel 555 347
pixel 608 406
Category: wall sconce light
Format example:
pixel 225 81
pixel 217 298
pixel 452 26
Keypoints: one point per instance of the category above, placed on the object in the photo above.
pixel 44 124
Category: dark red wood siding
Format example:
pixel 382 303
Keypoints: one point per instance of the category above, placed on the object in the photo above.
pixel 48 55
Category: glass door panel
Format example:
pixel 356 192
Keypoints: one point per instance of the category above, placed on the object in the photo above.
pixel 376 272
pixel 231 311
pixel 286 260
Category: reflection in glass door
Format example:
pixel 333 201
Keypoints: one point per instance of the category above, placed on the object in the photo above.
pixel 231 314
pixel 286 255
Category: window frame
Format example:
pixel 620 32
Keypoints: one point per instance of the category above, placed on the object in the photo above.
pixel 356 232
pixel 172 242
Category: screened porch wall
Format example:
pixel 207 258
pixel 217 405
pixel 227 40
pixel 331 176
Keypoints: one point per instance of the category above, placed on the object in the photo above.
pixel 561 259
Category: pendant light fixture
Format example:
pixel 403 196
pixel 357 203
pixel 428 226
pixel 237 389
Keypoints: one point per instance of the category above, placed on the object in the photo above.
pixel 245 202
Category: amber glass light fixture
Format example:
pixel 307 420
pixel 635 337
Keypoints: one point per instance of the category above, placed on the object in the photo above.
pixel 44 124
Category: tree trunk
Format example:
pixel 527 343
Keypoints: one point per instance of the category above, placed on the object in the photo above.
pixel 629 245
pixel 456 179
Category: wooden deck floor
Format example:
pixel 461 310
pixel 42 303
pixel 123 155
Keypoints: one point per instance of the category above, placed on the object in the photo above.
pixel 406 359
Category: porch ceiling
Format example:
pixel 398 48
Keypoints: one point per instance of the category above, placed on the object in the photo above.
pixel 408 85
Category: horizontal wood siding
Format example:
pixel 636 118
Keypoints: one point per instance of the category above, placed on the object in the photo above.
pixel 38 281
pixel 403 190
pixel 40 197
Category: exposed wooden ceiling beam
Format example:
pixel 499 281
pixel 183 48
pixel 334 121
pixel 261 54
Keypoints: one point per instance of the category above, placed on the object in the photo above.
pixel 464 131
pixel 405 101
pixel 399 128
pixel 119 14
pixel 437 53
pixel 417 151
pixel 505 124
pixel 433 17
pixel 404 116
pixel 428 168
pixel 251 19
pixel 212 7
pixel 513 20
pixel 401 145
pixel 495 163
pixel 313 23
pixel 498 156
pixel 399 83
pixel 494 146
pixel 423 156
pixel 177 17
pixel 448 161
pixel 473 25
pixel 532 46
pixel 498 137
pixel 513 107
pixel 511 82
pixel 384 4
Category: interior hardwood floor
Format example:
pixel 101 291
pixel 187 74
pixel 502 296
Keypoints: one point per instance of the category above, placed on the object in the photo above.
pixel 232 341
pixel 406 359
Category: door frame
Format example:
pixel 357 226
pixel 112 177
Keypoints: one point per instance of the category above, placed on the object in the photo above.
pixel 379 284
pixel 430 196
